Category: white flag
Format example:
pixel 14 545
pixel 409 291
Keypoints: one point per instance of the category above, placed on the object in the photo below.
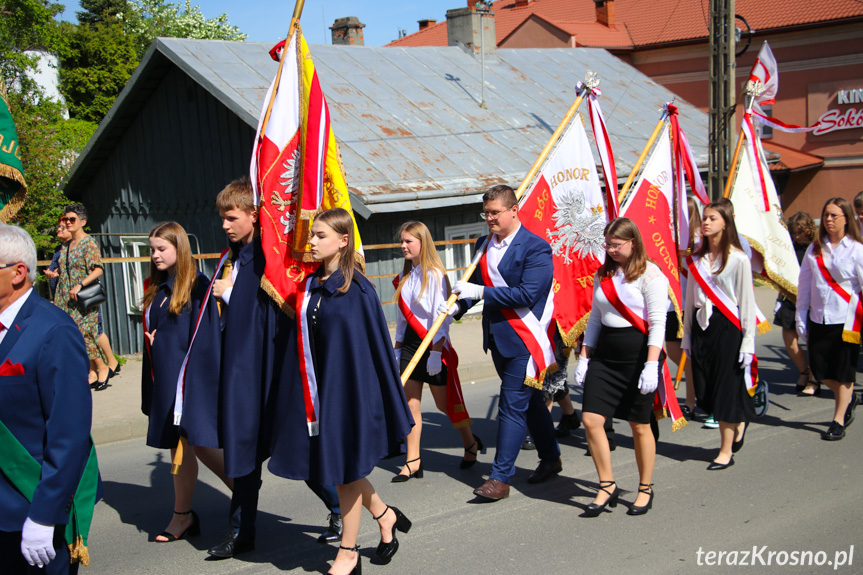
pixel 765 70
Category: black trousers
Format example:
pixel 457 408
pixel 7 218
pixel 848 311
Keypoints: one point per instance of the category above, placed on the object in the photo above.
pixel 13 563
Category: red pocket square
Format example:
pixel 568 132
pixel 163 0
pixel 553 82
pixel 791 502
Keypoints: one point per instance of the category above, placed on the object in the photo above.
pixel 9 368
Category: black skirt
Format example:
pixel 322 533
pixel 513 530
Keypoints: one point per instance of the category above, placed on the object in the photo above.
pixel 410 345
pixel 611 383
pixel 785 316
pixel 829 356
pixel 672 325
pixel 718 378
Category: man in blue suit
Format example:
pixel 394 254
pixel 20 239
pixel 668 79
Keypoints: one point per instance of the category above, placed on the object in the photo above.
pixel 515 280
pixel 46 406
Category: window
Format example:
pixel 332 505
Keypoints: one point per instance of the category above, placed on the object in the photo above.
pixel 459 255
pixel 134 273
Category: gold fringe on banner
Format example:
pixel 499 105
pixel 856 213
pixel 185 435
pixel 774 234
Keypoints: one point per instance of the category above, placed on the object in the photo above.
pixel 764 327
pixel 78 552
pixel 851 336
pixel 774 280
pixel 679 424
pixel 463 423
pixel 571 339
pixel 537 382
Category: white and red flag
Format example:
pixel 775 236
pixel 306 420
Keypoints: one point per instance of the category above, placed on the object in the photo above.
pixel 603 145
pixel 766 71
pixel 295 170
pixel 651 207
pixel 564 204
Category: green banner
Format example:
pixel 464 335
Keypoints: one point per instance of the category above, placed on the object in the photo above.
pixel 13 188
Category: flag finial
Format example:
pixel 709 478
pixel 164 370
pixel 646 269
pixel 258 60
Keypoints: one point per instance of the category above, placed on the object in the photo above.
pixel 591 80
pixel 755 88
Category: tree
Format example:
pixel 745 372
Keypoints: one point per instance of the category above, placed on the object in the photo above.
pixel 151 19
pixel 25 25
pixel 96 63
pixel 96 11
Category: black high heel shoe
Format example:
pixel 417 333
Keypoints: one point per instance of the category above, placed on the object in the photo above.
pixel 358 568
pixel 192 530
pixel 593 510
pixel 636 510
pixel 411 474
pixel 480 448
pixel 385 551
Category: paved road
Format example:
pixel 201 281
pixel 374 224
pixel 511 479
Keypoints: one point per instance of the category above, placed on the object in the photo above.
pixel 789 492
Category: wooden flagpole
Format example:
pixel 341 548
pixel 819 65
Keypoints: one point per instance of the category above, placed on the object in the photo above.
pixel 640 160
pixel 590 82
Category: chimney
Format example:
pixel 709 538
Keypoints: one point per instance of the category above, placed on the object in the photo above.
pixel 348 32
pixel 426 23
pixel 464 26
pixel 521 3
pixel 605 12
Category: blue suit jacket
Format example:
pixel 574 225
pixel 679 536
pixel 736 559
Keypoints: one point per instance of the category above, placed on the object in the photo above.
pixel 528 269
pixel 48 409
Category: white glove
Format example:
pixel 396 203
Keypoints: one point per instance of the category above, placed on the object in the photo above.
pixel 398 352
pixel 745 359
pixel 801 332
pixel 37 543
pixel 467 290
pixel 450 311
pixel 581 370
pixel 434 364
pixel 649 380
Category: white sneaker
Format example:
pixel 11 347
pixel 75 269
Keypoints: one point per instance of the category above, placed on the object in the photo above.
pixel 711 423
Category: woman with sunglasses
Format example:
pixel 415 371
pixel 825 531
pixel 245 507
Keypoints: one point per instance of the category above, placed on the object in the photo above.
pixel 620 361
pixel 80 266
pixel 829 313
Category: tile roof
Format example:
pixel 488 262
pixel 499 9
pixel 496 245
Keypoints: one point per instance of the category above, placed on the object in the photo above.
pixel 649 23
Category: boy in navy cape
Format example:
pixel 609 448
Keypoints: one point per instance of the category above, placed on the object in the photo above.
pixel 255 337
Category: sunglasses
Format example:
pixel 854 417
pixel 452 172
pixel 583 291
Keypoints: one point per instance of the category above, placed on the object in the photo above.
pixel 69 220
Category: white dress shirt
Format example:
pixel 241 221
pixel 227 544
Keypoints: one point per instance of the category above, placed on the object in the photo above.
pixel 497 249
pixel 652 285
pixel 736 281
pixel 423 307
pixel 7 318
pixel 844 261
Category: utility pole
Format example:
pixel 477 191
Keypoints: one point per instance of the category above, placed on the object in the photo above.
pixel 722 93
pixel 482 8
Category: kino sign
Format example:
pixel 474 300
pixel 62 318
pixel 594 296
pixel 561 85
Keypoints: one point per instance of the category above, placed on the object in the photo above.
pixel 835 119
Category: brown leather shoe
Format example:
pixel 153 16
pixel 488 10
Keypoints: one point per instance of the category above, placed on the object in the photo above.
pixel 492 489
pixel 545 470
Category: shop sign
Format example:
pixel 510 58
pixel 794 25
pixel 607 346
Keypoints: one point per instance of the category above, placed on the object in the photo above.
pixel 835 119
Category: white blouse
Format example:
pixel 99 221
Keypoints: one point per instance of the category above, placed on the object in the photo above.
pixel 652 286
pixel 423 308
pixel 736 281
pixel 814 294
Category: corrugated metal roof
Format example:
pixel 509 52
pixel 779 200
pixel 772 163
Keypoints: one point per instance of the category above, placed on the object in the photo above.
pixel 408 121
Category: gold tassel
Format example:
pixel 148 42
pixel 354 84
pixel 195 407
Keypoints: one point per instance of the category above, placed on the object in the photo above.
pixel 679 424
pixel 764 327
pixel 78 552
pixel 851 336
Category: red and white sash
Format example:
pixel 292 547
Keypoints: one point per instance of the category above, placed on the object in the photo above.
pixel 455 406
pixel 633 310
pixel 724 304
pixel 179 394
pixel 854 315
pixel 307 364
pixel 533 331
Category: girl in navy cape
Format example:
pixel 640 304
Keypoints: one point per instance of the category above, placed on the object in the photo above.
pixel 362 414
pixel 176 299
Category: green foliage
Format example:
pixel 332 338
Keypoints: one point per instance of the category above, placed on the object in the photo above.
pixel 96 63
pixel 150 19
pixel 96 11
pixel 25 25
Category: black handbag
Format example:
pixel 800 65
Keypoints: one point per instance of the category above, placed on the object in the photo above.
pixel 89 296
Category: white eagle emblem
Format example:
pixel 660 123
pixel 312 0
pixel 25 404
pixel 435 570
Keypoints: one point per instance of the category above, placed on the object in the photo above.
pixel 289 177
pixel 579 231
pixel 288 220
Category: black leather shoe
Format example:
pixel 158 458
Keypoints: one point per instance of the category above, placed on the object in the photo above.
pixel 719 466
pixel 849 411
pixel 834 433
pixel 545 470
pixel 567 424
pixel 232 546
pixel 385 551
pixel 100 385
pixel 528 444
pixel 334 531
pixel 738 445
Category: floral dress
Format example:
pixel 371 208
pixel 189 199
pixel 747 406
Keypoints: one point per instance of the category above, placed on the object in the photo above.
pixel 82 259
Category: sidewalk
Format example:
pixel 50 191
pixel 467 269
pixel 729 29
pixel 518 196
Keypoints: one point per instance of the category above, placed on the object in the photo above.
pixel 117 410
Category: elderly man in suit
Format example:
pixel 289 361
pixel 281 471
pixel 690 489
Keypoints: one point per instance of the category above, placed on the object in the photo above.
pixel 45 411
pixel 514 278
